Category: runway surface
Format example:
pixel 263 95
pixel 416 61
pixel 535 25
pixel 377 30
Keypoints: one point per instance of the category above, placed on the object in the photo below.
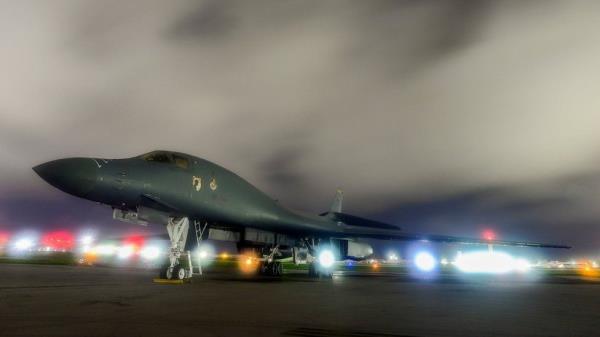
pixel 43 300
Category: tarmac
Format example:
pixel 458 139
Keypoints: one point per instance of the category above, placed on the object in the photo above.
pixel 45 300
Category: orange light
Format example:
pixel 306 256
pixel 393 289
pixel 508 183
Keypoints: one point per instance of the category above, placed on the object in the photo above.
pixel 587 270
pixel 375 265
pixel 248 264
pixel 89 258
pixel 224 256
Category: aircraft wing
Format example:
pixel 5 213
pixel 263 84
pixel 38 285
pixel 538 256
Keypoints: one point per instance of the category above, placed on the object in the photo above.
pixel 448 239
pixel 357 230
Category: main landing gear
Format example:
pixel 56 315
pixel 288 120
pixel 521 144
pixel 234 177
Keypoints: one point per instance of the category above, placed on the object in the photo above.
pixel 269 266
pixel 320 260
pixel 175 268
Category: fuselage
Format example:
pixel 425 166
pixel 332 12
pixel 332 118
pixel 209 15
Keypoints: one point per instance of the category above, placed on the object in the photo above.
pixel 183 184
pixel 180 185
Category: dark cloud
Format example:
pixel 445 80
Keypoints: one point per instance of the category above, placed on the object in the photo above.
pixel 211 20
pixel 439 115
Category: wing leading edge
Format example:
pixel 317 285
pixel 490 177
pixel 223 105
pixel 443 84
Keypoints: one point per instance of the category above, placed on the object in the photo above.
pixel 354 227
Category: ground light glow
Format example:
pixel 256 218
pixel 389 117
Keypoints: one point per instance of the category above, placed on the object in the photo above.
pixel 105 250
pixel 4 237
pixel 24 244
pixel 150 252
pixel 126 252
pixel 59 240
pixel 248 264
pixel 425 261
pixel 87 240
pixel 490 263
pixel 326 258
pixel 205 252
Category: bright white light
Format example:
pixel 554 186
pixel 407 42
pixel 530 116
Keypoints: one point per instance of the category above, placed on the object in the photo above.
pixel 444 261
pixel 24 244
pixel 522 265
pixel 202 254
pixel 392 256
pixel 105 249
pixel 425 261
pixel 205 251
pixel 125 252
pixel 87 240
pixel 150 252
pixel 490 262
pixel 326 258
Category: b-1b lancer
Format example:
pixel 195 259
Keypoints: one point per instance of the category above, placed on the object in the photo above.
pixel 175 189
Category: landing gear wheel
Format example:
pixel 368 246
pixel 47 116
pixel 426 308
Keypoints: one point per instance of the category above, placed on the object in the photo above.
pixel 263 268
pixel 271 269
pixel 163 271
pixel 176 273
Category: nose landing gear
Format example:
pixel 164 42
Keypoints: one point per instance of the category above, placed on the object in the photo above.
pixel 175 269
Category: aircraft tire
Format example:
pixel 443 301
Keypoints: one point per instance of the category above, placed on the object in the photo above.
pixel 178 273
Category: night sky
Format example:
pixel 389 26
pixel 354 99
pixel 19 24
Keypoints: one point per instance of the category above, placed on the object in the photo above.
pixel 439 116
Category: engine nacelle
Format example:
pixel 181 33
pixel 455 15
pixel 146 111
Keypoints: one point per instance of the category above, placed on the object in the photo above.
pixel 352 249
pixel 359 249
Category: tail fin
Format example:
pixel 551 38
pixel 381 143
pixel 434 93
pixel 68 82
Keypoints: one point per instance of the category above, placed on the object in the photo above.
pixel 336 205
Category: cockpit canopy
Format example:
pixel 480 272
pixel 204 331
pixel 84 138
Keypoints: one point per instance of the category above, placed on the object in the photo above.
pixel 167 157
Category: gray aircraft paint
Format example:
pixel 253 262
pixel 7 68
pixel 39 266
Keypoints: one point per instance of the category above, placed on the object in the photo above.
pixel 183 185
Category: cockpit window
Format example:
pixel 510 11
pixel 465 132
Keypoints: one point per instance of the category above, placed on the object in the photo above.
pixel 181 161
pixel 167 157
pixel 160 157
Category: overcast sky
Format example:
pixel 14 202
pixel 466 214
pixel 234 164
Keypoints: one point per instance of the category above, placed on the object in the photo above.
pixel 440 116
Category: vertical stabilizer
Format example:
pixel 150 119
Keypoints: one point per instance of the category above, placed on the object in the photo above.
pixel 336 206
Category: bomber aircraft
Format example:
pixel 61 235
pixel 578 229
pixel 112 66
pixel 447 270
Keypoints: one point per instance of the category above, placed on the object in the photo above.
pixel 174 189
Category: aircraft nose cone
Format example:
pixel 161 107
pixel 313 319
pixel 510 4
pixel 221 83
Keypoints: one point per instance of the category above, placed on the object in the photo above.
pixel 75 176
